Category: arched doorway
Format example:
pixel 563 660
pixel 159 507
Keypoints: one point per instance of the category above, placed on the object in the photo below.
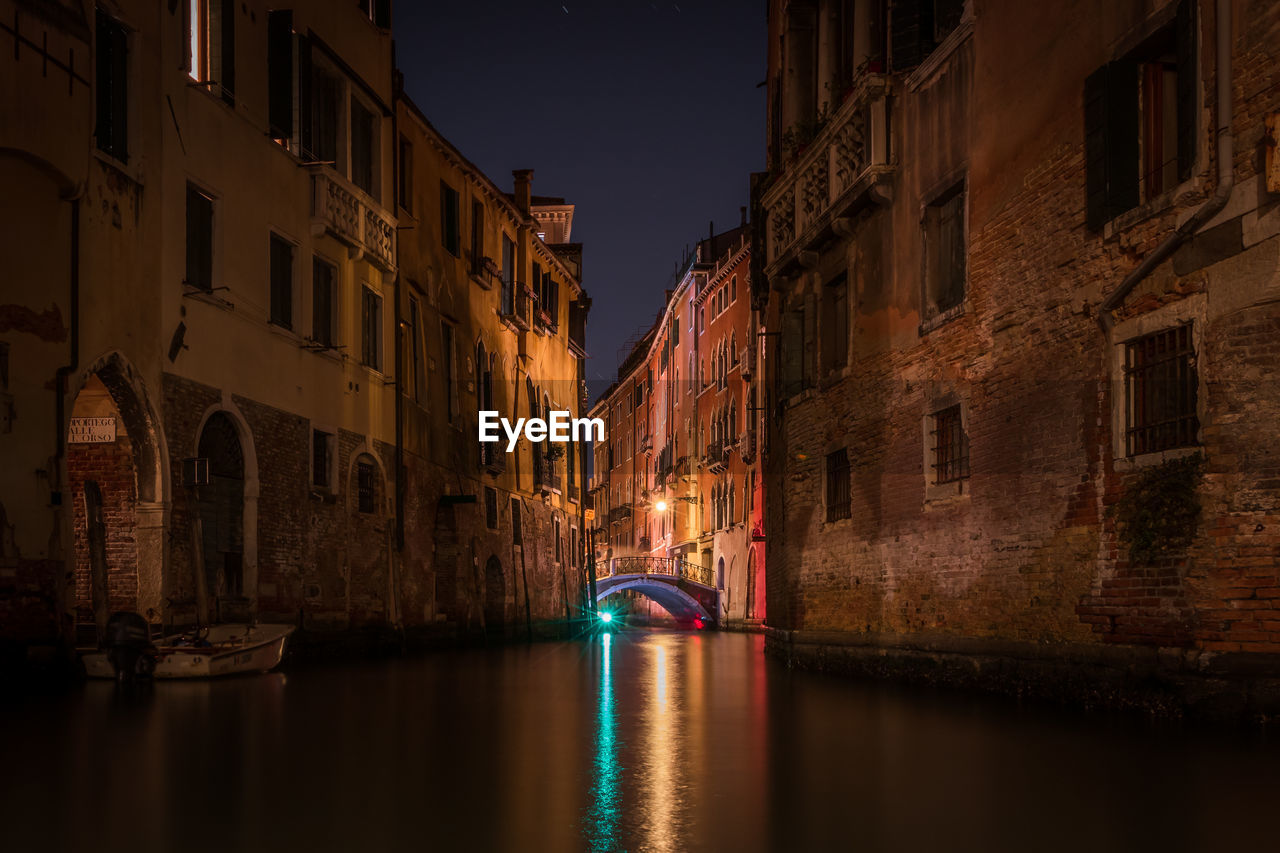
pixel 720 574
pixel 116 489
pixel 495 597
pixel 220 504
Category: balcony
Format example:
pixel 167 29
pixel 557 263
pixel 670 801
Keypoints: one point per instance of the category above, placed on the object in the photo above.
pixel 646 443
pixel 619 514
pixel 552 480
pixel 518 303
pixel 845 166
pixel 717 455
pixel 747 446
pixel 492 458
pixel 485 272
pixel 346 212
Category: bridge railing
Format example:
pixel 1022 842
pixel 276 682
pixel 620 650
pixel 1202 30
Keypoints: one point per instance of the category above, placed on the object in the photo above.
pixel 674 567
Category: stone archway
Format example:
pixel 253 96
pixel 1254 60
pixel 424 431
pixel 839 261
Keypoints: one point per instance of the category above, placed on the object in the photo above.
pixel 118 491
pixel 220 504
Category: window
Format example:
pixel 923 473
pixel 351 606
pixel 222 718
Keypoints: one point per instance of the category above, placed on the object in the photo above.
pixel 1141 113
pixel 838 493
pixel 516 534
pixel 559 548
pixel 199 239
pixel 1160 391
pixel 321 132
pixel 477 237
pixel 835 324
pixel 944 252
pixel 449 232
pixel 918 27
pixel 416 381
pixel 366 485
pixel 378 12
pixel 364 144
pixel 950 447
pixel 490 508
pixel 702 319
pixel 324 301
pixel 450 379
pixel 281 282
pixel 731 516
pixel 211 44
pixel 111 82
pixel 508 275
pixel 280 74
pixel 404 192
pixel 370 328
pixel 322 444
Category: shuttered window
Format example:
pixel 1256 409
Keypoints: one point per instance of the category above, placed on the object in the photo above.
pixel 281 282
pixel 199 239
pixel 371 329
pixel 280 73
pixel 324 282
pixel 449 225
pixel 1140 120
pixel 111 87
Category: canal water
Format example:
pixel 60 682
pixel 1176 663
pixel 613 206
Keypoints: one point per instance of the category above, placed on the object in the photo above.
pixel 637 741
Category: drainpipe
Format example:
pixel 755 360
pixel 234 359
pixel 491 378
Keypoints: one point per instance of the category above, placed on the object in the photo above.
pixel 1226 176
pixel 397 84
pixel 59 473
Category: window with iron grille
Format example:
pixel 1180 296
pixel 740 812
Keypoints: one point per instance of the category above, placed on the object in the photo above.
pixel 950 446
pixel 517 537
pixel 365 486
pixel 1160 391
pixel 838 497
pixel 491 507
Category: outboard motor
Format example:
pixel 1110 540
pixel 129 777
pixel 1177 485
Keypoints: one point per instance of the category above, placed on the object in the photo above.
pixel 129 648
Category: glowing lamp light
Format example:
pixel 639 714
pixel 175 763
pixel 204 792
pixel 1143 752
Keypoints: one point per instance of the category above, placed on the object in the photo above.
pixel 697 622
pixel 606 616
pixel 660 506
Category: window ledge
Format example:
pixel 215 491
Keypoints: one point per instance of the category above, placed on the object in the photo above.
pixel 131 172
pixel 946 495
pixel 1147 460
pixel 1186 192
pixel 944 317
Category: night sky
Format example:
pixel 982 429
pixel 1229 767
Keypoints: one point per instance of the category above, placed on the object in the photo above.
pixel 646 115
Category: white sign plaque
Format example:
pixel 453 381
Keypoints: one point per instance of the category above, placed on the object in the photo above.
pixel 92 431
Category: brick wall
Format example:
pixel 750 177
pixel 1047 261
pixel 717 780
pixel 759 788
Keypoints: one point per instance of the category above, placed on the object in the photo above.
pixel 111 467
pixel 1027 553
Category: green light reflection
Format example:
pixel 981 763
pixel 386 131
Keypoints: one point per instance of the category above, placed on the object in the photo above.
pixel 602 819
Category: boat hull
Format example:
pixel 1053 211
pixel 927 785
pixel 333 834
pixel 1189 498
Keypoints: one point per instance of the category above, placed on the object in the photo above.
pixel 231 650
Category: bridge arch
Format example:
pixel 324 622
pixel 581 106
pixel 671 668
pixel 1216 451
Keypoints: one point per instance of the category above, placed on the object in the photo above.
pixel 674 600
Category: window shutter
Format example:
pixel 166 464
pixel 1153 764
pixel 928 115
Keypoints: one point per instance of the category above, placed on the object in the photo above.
pixel 280 73
pixel 1095 148
pixel 1123 122
pixel 227 71
pixel 305 130
pixel 1111 141
pixel 911 32
pixel 1188 87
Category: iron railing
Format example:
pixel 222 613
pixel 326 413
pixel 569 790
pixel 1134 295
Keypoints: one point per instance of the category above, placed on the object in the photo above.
pixel 672 567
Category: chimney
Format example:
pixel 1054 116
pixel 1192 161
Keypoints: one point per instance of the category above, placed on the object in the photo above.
pixel 524 181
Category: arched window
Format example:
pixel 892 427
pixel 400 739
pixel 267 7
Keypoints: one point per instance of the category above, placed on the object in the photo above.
pixel 733 419
pixel 733 346
pixel 731 517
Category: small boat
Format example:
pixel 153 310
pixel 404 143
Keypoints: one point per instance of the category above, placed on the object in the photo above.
pixel 217 650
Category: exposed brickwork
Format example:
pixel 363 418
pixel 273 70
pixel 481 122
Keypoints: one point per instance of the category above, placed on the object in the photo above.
pixel 111 467
pixel 1027 554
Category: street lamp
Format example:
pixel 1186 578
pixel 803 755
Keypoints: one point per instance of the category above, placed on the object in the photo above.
pixel 660 506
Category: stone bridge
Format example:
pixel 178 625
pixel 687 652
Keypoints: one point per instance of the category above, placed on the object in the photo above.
pixel 684 589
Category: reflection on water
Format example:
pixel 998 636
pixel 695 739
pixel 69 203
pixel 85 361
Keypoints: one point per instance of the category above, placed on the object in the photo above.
pixel 634 741
pixel 602 820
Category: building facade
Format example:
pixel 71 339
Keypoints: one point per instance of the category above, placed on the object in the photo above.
pixel 1019 403
pixel 245 376
pixel 677 477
